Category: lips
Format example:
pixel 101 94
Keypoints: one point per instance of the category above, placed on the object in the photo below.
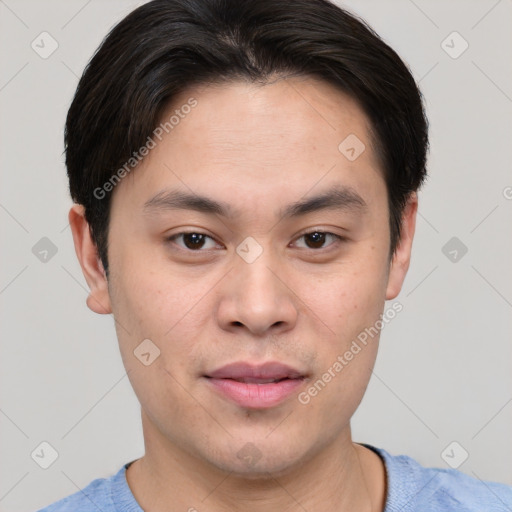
pixel 257 374
pixel 256 386
pixel 256 380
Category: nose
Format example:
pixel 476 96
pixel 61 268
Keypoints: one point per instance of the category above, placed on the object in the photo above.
pixel 256 297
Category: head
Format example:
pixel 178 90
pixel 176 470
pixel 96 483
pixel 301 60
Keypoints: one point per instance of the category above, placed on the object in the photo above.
pixel 289 141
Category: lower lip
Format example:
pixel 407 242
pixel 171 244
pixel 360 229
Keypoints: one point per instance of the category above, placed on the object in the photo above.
pixel 256 396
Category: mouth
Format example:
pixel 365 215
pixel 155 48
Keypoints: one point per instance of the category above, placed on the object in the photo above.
pixel 255 380
pixel 256 386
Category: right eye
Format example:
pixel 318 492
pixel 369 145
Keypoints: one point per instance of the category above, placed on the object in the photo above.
pixel 191 241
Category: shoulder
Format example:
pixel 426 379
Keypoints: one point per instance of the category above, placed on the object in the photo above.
pixel 97 495
pixel 414 487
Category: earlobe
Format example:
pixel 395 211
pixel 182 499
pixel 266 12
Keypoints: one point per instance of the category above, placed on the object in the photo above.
pixel 92 268
pixel 402 256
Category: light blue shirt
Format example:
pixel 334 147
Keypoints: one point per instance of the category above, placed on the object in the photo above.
pixel 410 488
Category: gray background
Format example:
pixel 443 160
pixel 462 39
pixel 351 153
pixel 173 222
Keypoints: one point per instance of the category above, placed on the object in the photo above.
pixel 444 368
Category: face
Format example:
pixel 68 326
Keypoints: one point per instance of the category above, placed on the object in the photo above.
pixel 251 248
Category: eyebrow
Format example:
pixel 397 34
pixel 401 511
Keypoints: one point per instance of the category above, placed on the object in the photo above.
pixel 338 198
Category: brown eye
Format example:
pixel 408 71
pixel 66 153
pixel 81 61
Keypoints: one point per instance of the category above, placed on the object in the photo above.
pixel 192 241
pixel 317 239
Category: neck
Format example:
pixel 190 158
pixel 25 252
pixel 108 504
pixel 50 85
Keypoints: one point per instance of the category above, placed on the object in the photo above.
pixel 341 476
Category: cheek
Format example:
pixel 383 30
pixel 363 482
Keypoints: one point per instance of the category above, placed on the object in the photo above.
pixel 146 294
pixel 151 301
pixel 351 307
pixel 148 306
pixel 348 297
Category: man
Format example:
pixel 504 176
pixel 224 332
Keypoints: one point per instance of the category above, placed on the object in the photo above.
pixel 245 176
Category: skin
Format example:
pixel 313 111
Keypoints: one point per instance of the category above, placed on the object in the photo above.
pixel 258 149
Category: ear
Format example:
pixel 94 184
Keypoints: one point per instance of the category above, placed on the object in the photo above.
pixel 402 256
pixel 92 268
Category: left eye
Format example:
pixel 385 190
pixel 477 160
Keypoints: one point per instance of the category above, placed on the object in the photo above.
pixel 316 239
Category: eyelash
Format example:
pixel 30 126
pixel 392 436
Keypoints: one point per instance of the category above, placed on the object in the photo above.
pixel 338 239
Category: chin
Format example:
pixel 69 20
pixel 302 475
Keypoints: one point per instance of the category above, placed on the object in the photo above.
pixel 263 461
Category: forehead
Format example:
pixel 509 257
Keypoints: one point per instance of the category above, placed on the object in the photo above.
pixel 305 113
pixel 244 138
